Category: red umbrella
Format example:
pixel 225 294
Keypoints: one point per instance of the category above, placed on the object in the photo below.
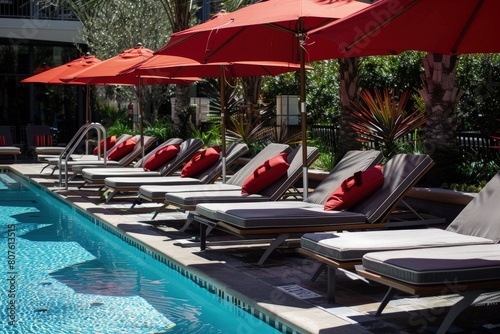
pixel 54 75
pixel 173 66
pixel 448 27
pixel 107 72
pixel 272 30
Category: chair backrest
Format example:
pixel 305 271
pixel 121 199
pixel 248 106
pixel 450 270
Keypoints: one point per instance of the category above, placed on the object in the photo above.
pixel 187 149
pixel 276 190
pixel 401 173
pixel 6 132
pixel 352 162
pixel 171 141
pixel 36 130
pixel 137 150
pixel 265 154
pixel 481 217
pixel 233 152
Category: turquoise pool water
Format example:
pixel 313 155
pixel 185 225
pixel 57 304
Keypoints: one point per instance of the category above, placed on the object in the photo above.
pixel 64 274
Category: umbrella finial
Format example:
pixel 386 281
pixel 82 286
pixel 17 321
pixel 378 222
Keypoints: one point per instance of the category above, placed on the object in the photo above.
pixel 138 45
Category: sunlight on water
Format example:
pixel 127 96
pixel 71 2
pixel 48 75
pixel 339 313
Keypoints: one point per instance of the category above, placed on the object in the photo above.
pixel 65 275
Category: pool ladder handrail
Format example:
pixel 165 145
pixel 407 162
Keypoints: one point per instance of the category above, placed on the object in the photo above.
pixel 73 144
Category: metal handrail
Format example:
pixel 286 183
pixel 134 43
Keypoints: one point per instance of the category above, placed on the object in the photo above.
pixel 73 144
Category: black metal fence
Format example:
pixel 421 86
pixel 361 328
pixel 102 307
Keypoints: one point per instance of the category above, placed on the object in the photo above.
pixel 467 141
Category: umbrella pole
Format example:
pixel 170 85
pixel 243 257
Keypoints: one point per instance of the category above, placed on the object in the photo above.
pixel 223 122
pixel 303 114
pixel 139 102
pixel 87 116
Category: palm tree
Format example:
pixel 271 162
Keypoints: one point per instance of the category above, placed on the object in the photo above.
pixel 441 96
pixel 348 92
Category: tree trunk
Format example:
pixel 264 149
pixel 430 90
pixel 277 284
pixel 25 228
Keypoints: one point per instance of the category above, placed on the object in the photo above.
pixel 251 93
pixel 348 92
pixel 441 96
pixel 182 101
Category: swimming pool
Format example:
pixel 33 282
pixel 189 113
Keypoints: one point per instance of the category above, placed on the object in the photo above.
pixel 64 274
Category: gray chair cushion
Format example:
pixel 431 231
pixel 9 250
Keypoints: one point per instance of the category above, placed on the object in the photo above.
pixel 301 215
pixel 442 265
pixel 349 246
pixel 136 182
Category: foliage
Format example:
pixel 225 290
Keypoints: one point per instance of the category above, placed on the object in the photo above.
pixel 479 78
pixel 118 128
pixel 162 129
pixel 109 113
pixel 401 73
pixel 252 134
pixel 382 119
pixel 210 87
pixel 326 160
pixel 185 121
pixel 211 137
pixel 284 134
pixel 475 166
pixel 323 99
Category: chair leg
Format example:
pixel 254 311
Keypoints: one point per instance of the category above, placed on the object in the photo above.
pixel 160 210
pixel 188 222
pixel 276 242
pixel 332 281
pixel 466 301
pixel 137 201
pixel 387 298
pixel 318 272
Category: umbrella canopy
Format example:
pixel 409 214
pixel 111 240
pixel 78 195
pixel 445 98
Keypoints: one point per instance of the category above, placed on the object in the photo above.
pixel 107 73
pixel 174 66
pixel 447 27
pixel 272 30
pixel 53 75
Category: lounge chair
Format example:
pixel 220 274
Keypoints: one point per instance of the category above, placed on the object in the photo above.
pixel 468 270
pixel 95 161
pixel 75 159
pixel 234 183
pixel 40 144
pixel 165 165
pixel 477 223
pixel 209 175
pixel 188 200
pixel 284 220
pixel 6 143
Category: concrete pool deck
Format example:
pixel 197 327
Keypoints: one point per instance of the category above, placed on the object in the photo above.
pixel 269 287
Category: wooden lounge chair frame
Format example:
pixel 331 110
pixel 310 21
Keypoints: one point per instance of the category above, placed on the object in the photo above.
pixel 207 176
pixel 387 217
pixel 469 290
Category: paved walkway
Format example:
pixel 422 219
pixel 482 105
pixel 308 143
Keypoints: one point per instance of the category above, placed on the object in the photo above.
pixel 282 286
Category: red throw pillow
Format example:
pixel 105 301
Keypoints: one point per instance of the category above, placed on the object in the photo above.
pixel 355 188
pixel 3 141
pixel 122 149
pixel 201 161
pixel 161 157
pixel 110 142
pixel 266 174
pixel 43 140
